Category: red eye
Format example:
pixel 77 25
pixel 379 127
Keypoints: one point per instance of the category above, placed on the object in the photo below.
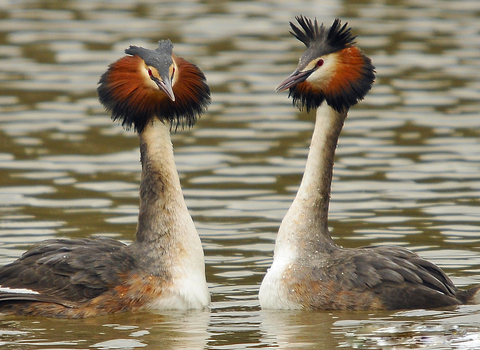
pixel 320 63
pixel 173 71
pixel 150 72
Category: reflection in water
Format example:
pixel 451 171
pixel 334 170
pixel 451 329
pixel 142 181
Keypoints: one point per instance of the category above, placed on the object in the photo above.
pixel 298 329
pixel 172 330
pixel 378 330
pixel 406 169
pixel 412 329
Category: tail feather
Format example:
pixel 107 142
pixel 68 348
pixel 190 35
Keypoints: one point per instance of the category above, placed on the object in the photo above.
pixel 469 296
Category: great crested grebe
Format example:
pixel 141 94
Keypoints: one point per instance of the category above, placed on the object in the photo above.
pixel 150 91
pixel 309 270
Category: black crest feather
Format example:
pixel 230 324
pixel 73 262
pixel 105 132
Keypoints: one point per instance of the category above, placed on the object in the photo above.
pixel 161 56
pixel 311 31
pixel 330 40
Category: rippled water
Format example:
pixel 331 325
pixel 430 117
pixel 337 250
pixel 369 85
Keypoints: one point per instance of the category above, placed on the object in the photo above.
pixel 407 168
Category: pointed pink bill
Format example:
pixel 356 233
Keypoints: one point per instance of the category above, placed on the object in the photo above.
pixel 166 87
pixel 293 79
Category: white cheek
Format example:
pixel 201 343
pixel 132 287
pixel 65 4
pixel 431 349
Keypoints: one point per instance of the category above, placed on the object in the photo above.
pixel 323 75
pixel 175 76
pixel 146 78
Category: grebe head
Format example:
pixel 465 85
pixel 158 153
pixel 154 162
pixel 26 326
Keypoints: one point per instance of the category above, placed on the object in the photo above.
pixel 154 83
pixel 332 69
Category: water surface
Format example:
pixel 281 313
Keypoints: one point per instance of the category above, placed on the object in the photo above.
pixel 407 170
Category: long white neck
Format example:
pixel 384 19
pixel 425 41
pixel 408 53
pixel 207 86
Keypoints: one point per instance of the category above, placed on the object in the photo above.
pixel 305 226
pixel 167 242
pixel 163 211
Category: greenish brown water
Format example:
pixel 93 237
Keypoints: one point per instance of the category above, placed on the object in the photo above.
pixel 407 170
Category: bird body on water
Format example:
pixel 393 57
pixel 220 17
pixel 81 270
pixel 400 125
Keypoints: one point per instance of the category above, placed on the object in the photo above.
pixel 151 91
pixel 309 270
